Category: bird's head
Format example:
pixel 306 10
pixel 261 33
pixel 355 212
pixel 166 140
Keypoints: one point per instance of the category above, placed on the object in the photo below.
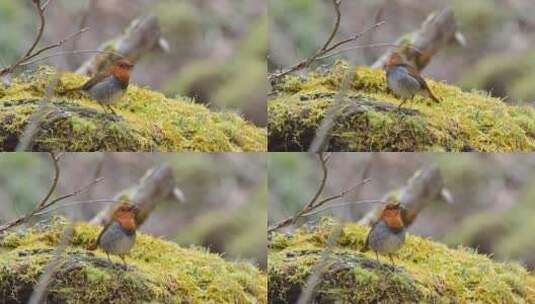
pixel 125 215
pixel 394 59
pixel 391 215
pixel 121 69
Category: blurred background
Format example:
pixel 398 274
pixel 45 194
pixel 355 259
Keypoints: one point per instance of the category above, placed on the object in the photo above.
pixel 224 210
pixel 217 48
pixel 494 195
pixel 499 56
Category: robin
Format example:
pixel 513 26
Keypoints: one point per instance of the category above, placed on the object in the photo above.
pixel 404 80
pixel 109 86
pixel 387 235
pixel 118 236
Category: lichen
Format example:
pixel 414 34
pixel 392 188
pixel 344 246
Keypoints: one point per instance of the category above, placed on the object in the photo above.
pixel 158 271
pixel 369 118
pixel 148 120
pixel 423 271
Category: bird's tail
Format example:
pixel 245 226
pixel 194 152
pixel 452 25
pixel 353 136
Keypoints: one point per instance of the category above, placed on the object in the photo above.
pixel 431 95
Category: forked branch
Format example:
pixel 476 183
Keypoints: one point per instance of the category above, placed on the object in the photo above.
pixel 317 201
pixel 329 45
pixel 47 202
pixel 31 53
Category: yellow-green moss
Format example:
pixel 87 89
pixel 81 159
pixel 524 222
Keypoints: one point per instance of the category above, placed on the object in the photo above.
pixel 370 121
pixel 150 121
pixel 424 271
pixel 159 271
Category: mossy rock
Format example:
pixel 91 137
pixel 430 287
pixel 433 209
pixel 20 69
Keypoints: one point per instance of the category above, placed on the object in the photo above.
pixel 148 121
pixel 158 271
pixel 424 271
pixel 369 119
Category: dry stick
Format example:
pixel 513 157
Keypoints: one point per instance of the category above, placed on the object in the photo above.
pixel 327 47
pixel 72 53
pixel 35 119
pixel 76 203
pixel 315 202
pixel 40 290
pixel 40 207
pixel 315 277
pixel 30 52
pixel 339 205
pixel 55 162
pixel 322 137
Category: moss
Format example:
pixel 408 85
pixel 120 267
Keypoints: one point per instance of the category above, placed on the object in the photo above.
pixel 149 121
pixel 158 271
pixel 424 271
pixel 369 119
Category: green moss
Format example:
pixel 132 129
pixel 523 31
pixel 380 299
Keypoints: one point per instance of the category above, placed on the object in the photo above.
pixel 159 271
pixel 370 121
pixel 150 121
pixel 424 271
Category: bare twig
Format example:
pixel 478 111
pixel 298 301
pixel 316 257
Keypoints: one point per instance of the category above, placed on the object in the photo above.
pixel 328 46
pixel 55 161
pixel 321 140
pixel 317 270
pixel 96 201
pixel 38 116
pixel 75 193
pixel 73 53
pixel 316 200
pixel 32 52
pixel 40 290
pixel 46 202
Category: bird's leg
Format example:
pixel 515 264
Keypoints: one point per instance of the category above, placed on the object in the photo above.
pixel 401 104
pixel 109 260
pixel 391 259
pixel 377 257
pixel 124 262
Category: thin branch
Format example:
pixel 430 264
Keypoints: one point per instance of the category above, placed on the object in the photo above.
pixel 336 5
pixel 37 117
pixel 45 203
pixel 41 13
pixel 316 202
pixel 97 201
pixel 328 46
pixel 55 161
pixel 40 290
pixel 75 193
pixel 73 53
pixel 339 205
pixel 323 136
pixel 32 52
pixel 317 270
pixel 57 44
pixel 323 162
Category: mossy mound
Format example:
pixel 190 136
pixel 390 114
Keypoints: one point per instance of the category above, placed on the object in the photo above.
pixel 148 120
pixel 158 271
pixel 369 119
pixel 424 271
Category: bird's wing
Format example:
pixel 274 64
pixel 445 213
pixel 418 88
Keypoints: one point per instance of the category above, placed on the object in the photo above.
pixel 95 244
pixel 366 243
pixel 414 73
pixel 94 80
